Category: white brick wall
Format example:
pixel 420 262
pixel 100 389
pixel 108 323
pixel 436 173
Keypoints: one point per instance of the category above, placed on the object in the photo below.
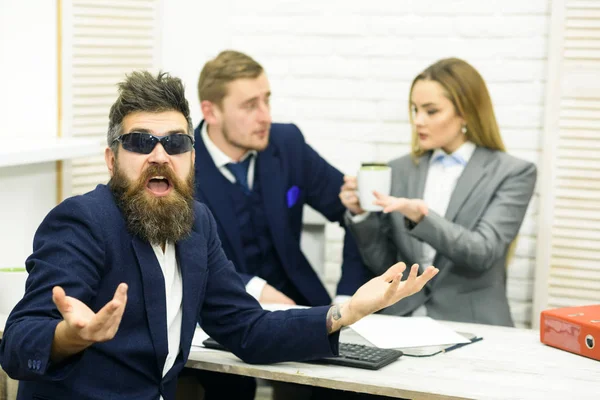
pixel 341 70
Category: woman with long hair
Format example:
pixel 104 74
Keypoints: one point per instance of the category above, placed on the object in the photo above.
pixel 457 201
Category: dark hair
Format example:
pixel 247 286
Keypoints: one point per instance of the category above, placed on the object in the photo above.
pixel 141 91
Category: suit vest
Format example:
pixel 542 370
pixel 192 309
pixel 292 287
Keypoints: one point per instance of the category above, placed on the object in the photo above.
pixel 259 251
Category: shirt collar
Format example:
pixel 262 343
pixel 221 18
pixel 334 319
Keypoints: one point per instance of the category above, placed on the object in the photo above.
pixel 219 158
pixel 465 151
pixel 169 249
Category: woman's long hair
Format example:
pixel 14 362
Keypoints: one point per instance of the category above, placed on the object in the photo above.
pixel 467 91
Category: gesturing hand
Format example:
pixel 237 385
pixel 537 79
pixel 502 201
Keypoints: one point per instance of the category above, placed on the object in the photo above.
pixel 81 327
pixel 380 292
pixel 413 209
pixel 388 288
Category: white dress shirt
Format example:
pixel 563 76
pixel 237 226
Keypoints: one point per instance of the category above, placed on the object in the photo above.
pixel 256 285
pixel 174 297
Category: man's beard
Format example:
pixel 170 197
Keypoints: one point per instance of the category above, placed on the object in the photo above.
pixel 155 219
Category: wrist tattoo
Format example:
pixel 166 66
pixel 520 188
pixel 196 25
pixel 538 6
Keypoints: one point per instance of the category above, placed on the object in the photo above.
pixel 334 314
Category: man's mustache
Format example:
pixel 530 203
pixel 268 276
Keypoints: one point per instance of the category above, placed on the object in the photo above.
pixel 159 170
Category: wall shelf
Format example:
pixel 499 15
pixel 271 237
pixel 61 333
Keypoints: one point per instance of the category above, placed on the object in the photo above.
pixel 21 152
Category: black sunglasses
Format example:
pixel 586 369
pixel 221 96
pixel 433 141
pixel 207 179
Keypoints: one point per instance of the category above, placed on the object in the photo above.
pixel 144 143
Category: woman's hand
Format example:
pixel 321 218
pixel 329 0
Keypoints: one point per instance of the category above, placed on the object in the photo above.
pixel 348 195
pixel 413 209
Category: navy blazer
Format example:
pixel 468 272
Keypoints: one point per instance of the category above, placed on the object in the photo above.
pixel 83 245
pixel 291 174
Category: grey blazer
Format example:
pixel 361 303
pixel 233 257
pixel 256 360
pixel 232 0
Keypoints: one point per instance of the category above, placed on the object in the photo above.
pixel 484 215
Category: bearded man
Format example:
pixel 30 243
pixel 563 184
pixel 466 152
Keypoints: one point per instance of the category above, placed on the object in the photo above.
pixel 142 264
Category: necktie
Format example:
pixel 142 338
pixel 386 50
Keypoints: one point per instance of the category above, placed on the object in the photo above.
pixel 240 172
pixel 450 160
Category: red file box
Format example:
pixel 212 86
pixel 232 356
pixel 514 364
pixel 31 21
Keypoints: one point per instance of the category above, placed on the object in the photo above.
pixel 574 329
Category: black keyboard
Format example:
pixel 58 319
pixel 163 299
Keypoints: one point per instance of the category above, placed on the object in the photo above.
pixel 351 355
pixel 361 356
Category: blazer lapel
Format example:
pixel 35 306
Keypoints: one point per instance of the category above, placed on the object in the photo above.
pixel 272 192
pixel 212 187
pixel 154 298
pixel 191 257
pixel 415 190
pixel 416 182
pixel 474 172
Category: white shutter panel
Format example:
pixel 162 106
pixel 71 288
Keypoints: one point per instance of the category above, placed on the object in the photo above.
pixel 568 270
pixel 102 41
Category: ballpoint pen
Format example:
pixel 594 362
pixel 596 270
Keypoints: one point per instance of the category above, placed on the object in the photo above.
pixel 456 346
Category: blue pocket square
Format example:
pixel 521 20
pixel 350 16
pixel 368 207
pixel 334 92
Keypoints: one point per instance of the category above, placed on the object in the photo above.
pixel 292 196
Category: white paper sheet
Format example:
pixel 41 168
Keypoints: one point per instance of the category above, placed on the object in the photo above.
pixel 199 337
pixel 390 332
pixel 280 307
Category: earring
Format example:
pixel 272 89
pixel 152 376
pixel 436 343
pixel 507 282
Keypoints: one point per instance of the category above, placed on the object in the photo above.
pixel 464 129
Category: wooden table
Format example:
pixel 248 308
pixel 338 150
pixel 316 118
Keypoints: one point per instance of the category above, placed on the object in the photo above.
pixel 508 363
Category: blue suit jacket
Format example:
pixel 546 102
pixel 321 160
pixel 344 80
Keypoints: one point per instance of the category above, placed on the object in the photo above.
pixel 291 174
pixel 83 245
